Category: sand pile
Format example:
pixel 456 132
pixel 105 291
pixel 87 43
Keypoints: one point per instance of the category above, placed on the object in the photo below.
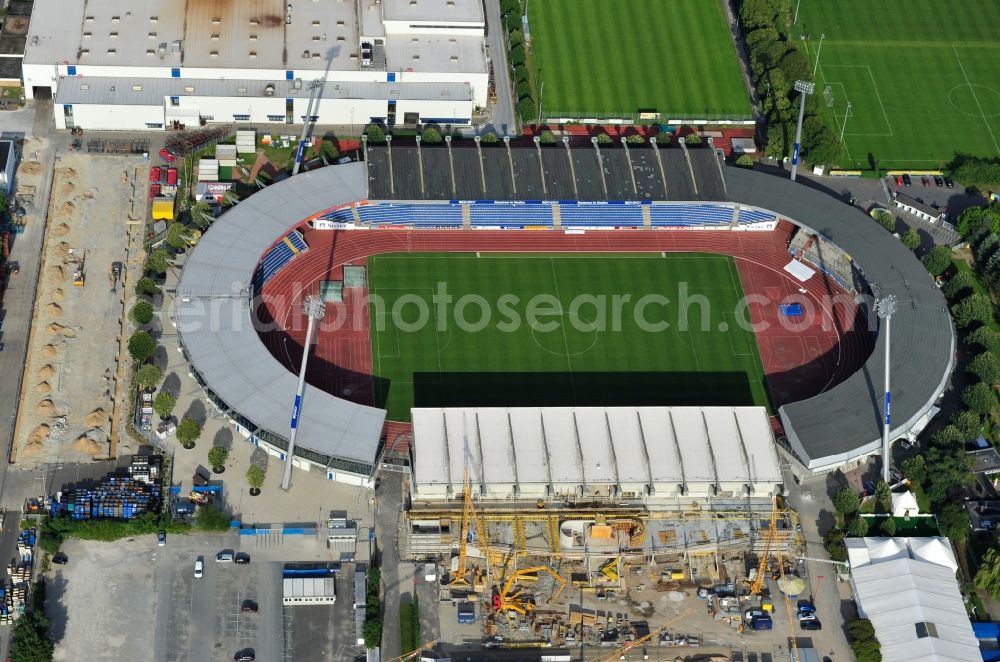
pixel 53 310
pixel 46 372
pixel 51 351
pixel 67 173
pixel 96 418
pixel 58 295
pixel 90 443
pixel 31 168
pixel 56 273
pixel 62 230
pixel 56 329
pixel 66 211
pixel 67 189
pixel 38 435
pixel 43 387
pixel 45 407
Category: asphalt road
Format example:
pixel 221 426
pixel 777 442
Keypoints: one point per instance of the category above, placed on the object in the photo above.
pixel 387 523
pixel 502 118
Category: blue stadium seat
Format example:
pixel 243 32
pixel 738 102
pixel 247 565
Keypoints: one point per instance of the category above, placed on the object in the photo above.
pixel 698 215
pixel 281 254
pixel 339 215
pixel 755 216
pixel 510 216
pixel 609 216
pixel 420 216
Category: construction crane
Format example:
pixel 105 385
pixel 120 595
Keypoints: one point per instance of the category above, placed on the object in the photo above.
pixel 620 653
pixel 505 600
pixel 468 514
pixel 772 533
pixel 414 653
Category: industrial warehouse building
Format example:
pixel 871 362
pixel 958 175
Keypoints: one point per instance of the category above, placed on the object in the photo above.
pixel 623 453
pixel 151 64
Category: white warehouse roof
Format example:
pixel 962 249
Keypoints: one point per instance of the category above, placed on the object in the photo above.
pixel 535 451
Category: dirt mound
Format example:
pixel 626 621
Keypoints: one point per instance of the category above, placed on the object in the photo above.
pixel 96 418
pixel 87 446
pixel 62 249
pixel 46 371
pixel 31 168
pixel 56 273
pixel 67 189
pixel 51 351
pixel 58 295
pixel 67 173
pixel 62 230
pixel 45 407
pixel 53 310
pixel 43 387
pixel 38 435
pixel 56 329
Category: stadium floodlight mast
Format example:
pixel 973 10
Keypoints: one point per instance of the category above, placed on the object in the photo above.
pixel 315 310
pixel 885 307
pixel 804 88
pixel 314 87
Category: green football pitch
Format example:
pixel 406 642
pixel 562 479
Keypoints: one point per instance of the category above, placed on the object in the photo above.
pixel 552 336
pixel 922 77
pixel 602 58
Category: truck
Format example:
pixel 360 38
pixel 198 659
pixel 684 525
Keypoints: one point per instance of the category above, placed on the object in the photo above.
pixel 758 620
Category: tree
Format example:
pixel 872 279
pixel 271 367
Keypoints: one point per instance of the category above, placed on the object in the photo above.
pixel 692 139
pixel 146 286
pixel 372 632
pixel 976 220
pixel 973 308
pixel 820 144
pixel 948 437
pixel 961 283
pixel 201 213
pixel 604 139
pixel 156 262
pixel 937 260
pixel 986 338
pixel 148 376
pixel 883 496
pixel 988 575
pixel 163 404
pixel 209 518
pixel 177 236
pixel 951 475
pixel 142 313
pixel 375 134
pixel 953 520
pixel 636 139
pixel 777 147
pixel 914 468
pixel 885 218
pixel 188 431
pixel 859 527
pixel 141 346
pixel 846 501
pixel 864 644
pixel 979 398
pixel 255 476
pixel 217 456
pixel 986 367
pixel 911 239
pixel 547 137
pixel 30 638
pixel 489 138
pixel 968 422
pixel 516 56
pixel 229 198
pixel 431 135
pixel 744 161
pixel 888 526
pixel 526 109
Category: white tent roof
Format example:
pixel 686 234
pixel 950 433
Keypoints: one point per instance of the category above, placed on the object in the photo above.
pixel 799 270
pixel 868 551
pixel 570 446
pixel 916 610
pixel 904 501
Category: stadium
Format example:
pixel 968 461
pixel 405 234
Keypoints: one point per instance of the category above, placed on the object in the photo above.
pixel 566 221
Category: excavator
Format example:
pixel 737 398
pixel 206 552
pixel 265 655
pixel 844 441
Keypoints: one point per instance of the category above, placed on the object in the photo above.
pixel 510 598
pixel 80 274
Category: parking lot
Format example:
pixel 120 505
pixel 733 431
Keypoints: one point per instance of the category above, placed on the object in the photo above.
pixel 132 600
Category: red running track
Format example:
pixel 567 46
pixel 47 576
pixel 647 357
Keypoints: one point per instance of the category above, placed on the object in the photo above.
pixel 800 360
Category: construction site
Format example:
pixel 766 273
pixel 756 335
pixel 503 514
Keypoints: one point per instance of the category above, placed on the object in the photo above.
pixel 715 567
pixel 73 386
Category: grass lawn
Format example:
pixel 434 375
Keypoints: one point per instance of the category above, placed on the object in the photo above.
pixel 568 348
pixel 608 58
pixel 921 77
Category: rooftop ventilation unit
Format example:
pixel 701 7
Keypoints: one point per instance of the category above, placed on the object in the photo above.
pixel 269 90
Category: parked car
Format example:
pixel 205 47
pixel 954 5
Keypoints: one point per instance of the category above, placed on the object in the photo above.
pixel 938 180
pixel 810 623
pixel 806 607
pixel 906 180
pixel 199 568
pixel 161 538
pixel 246 655
pixel 242 558
pixel 167 155
pixel 248 607
pixel 899 180
pixel 225 556
pixel 60 559
pixel 949 183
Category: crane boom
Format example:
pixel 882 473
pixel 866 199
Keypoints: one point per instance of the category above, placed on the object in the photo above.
pixel 772 533
pixel 641 640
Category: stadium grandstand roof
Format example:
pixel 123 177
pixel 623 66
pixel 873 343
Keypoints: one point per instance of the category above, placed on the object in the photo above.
pixel 846 421
pixel 531 451
pixel 213 319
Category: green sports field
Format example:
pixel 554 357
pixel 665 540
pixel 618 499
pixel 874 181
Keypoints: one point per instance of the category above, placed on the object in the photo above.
pixel 603 58
pixel 562 348
pixel 922 77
